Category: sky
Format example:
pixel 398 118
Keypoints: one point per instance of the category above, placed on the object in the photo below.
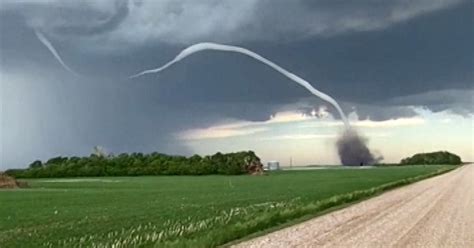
pixel 403 71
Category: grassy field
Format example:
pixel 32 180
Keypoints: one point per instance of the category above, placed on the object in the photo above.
pixel 197 211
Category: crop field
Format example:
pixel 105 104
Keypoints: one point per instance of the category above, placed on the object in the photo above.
pixel 197 211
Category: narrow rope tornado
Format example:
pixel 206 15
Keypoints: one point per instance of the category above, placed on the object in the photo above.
pixel 53 51
pixel 352 148
pixel 226 48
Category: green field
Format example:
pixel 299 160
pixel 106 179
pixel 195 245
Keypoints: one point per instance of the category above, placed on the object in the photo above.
pixel 197 211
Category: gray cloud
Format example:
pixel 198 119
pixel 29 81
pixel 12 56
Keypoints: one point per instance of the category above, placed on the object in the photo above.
pixel 70 18
pixel 457 101
pixel 188 21
pixel 375 112
pixel 119 14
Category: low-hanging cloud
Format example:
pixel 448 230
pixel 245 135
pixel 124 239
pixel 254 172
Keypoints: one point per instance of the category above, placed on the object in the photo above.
pixel 300 121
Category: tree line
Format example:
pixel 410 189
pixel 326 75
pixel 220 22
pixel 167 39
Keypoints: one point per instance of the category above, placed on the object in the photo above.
pixel 138 164
pixel 441 157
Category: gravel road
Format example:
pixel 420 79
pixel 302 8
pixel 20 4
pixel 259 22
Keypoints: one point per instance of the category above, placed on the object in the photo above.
pixel 436 212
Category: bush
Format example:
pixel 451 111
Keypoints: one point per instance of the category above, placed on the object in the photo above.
pixel 441 157
pixel 137 164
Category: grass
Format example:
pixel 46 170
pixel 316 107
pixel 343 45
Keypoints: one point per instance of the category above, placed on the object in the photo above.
pixel 182 211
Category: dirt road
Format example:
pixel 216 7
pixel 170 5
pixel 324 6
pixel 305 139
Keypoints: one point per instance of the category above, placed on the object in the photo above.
pixel 437 212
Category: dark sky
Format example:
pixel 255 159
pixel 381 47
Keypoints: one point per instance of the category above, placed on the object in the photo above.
pixel 380 58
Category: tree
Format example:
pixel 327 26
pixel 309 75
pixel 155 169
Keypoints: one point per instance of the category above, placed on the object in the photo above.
pixel 440 157
pixel 56 160
pixel 36 164
pixel 143 164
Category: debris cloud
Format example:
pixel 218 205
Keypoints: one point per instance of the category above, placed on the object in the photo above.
pixel 353 150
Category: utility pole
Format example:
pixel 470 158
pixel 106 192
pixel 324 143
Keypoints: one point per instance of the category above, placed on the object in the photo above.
pixel 291 162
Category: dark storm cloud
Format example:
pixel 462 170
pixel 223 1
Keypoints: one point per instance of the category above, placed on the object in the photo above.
pixel 425 60
pixel 77 18
pixel 457 101
pixel 189 21
pixel 121 12
pixel 432 53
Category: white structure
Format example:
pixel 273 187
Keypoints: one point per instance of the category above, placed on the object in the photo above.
pixel 273 165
